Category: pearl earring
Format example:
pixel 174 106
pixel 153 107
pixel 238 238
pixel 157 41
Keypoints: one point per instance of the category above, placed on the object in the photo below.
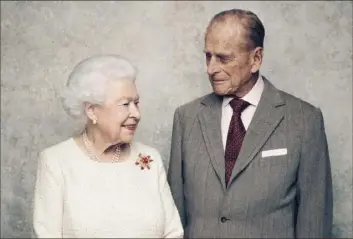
pixel 94 121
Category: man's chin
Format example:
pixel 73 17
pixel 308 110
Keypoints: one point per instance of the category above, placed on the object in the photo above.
pixel 222 92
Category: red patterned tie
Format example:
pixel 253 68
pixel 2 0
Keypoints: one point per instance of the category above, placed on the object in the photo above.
pixel 235 136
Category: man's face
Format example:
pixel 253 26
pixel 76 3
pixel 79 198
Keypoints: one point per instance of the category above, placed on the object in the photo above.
pixel 229 60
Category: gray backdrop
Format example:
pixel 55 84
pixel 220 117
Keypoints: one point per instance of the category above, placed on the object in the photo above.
pixel 308 52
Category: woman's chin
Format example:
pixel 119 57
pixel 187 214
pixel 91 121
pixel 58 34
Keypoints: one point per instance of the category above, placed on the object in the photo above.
pixel 127 138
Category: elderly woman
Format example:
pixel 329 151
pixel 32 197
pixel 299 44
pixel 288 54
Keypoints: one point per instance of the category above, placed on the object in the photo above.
pixel 102 183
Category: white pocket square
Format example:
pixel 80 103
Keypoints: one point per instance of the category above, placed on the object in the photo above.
pixel 273 152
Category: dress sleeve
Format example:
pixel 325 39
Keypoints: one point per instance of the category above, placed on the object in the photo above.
pixel 48 199
pixel 173 226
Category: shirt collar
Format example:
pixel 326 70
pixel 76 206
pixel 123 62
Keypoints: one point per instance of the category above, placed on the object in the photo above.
pixel 253 96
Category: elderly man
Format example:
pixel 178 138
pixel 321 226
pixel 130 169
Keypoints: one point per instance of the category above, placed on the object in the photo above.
pixel 248 160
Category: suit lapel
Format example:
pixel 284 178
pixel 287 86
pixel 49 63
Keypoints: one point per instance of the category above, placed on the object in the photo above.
pixel 269 113
pixel 210 121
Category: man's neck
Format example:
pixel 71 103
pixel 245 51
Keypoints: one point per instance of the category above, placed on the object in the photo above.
pixel 245 89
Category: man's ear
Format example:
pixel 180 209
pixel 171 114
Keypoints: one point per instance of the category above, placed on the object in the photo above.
pixel 256 59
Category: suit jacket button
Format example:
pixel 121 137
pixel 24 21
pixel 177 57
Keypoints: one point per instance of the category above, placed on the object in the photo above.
pixel 224 219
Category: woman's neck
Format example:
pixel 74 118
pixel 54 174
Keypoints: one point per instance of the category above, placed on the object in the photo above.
pixel 98 142
pixel 103 147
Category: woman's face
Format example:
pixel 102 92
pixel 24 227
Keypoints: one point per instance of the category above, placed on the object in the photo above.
pixel 118 118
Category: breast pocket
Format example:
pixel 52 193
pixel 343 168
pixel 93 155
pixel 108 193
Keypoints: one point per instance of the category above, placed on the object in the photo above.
pixel 274 161
pixel 273 157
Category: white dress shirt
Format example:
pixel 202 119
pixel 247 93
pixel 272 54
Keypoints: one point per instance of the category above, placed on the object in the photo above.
pixel 253 97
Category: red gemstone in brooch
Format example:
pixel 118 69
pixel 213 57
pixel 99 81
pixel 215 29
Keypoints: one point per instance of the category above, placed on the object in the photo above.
pixel 144 161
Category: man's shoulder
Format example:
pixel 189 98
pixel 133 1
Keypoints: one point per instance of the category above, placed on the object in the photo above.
pixel 196 102
pixel 296 102
pixel 193 106
pixel 292 101
pixel 301 111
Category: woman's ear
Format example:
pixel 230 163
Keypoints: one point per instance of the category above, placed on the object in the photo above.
pixel 89 110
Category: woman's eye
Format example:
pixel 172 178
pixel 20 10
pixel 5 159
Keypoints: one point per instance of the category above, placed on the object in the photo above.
pixel 123 103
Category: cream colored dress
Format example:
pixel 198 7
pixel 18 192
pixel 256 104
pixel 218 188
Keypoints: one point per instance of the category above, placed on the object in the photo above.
pixel 78 197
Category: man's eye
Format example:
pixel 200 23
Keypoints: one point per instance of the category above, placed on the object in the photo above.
pixel 224 59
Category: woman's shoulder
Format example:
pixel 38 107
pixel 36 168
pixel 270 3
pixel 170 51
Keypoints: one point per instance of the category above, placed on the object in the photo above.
pixel 59 149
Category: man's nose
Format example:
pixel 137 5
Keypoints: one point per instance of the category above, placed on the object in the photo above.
pixel 212 67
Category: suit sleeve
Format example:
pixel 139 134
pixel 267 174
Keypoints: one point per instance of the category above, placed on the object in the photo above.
pixel 314 216
pixel 175 169
pixel 48 204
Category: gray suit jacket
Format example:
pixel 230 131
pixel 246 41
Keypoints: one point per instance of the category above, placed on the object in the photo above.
pixel 285 196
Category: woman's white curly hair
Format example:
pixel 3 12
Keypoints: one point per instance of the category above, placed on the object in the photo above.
pixel 88 81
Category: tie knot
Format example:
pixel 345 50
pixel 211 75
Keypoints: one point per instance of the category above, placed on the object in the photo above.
pixel 238 105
